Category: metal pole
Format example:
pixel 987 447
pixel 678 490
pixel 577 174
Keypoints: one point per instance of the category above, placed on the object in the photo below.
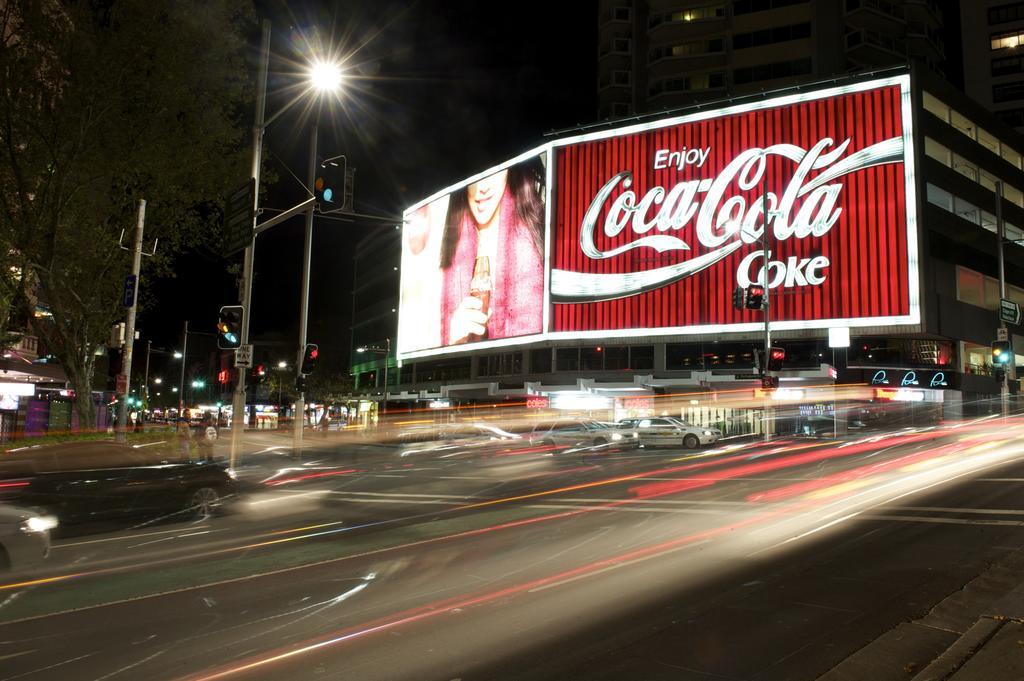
pixel 145 379
pixel 768 416
pixel 1004 386
pixel 387 357
pixel 238 399
pixel 129 332
pixel 307 253
pixel 181 381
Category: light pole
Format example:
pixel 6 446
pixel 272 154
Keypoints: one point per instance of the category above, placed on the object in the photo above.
pixel 386 351
pixel 181 380
pixel 281 366
pixel 324 76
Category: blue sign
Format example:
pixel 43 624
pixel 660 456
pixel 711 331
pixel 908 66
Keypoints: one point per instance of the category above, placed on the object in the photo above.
pixel 880 378
pixel 130 286
pixel 909 378
pixel 938 380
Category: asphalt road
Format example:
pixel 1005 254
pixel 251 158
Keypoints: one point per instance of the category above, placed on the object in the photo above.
pixel 743 561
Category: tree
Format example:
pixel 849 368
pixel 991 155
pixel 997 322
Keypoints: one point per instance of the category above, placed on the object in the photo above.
pixel 102 104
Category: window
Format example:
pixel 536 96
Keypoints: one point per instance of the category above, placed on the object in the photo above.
pixel 621 45
pixel 504 364
pixel 1013 195
pixel 966 210
pixel 785 69
pixel 988 140
pixel 1008 92
pixel 641 357
pixel 567 359
pixel 938 152
pixel 622 14
pixel 1008 39
pixel 621 77
pixel 749 6
pixel 1005 13
pixel 592 359
pixel 965 168
pixel 940 197
pixel 1011 156
pixel 1007 66
pixel 962 123
pixel 699 13
pixel 1012 117
pixel 702 81
pixel 688 49
pixel 988 221
pixel 936 107
pixel 616 357
pixel 768 36
pixel 540 361
pixel 988 181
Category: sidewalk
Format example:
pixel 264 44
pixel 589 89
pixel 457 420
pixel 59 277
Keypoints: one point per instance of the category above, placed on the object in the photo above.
pixel 975 634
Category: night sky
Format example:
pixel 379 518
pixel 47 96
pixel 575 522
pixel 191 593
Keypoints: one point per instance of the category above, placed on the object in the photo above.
pixel 442 90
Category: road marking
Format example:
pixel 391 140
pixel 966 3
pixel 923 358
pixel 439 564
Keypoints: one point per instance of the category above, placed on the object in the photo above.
pixel 949 521
pixel 671 502
pixel 941 509
pixel 1000 479
pixel 122 538
pixel 396 494
pixel 631 509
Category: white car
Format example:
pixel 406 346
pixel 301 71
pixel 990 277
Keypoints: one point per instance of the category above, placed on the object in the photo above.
pixel 24 537
pixel 667 430
pixel 581 434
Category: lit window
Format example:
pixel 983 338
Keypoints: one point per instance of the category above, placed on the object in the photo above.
pixel 962 123
pixel 936 107
pixel 938 152
pixel 1003 41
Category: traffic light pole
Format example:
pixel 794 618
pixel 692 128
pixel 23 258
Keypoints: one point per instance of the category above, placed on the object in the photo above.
pixel 1004 386
pixel 238 399
pixel 307 253
pixel 768 414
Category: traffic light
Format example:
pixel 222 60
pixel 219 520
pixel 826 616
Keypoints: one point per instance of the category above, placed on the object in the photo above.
pixel 229 327
pixel 738 297
pixel 329 185
pixel 310 357
pixel 755 297
pixel 1002 353
pixel 776 356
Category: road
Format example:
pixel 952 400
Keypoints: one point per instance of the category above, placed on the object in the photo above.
pixel 747 560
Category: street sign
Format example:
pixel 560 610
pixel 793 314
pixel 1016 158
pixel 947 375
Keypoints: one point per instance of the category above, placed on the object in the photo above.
pixel 121 386
pixel 1009 311
pixel 238 218
pixel 1002 335
pixel 243 357
pixel 130 287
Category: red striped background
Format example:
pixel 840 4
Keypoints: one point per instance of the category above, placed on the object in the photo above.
pixel 867 247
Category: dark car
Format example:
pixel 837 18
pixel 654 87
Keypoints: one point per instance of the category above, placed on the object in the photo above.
pixel 85 481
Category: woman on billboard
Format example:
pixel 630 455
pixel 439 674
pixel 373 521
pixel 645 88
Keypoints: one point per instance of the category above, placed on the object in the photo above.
pixel 492 257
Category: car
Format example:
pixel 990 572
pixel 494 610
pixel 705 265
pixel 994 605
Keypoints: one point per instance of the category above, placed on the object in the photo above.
pixel 24 537
pixel 580 433
pixel 85 481
pixel 668 430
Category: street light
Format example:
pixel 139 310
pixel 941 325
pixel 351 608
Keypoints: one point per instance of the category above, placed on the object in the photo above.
pixel 158 380
pixel 177 354
pixel 386 351
pixel 325 75
pixel 282 364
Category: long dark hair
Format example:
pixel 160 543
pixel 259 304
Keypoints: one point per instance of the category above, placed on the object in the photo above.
pixel 526 182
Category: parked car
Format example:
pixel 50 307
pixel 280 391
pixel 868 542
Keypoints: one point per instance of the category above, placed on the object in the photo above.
pixel 82 481
pixel 24 537
pixel 667 430
pixel 580 433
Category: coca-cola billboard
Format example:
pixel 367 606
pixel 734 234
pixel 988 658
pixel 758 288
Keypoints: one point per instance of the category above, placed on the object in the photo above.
pixel 654 225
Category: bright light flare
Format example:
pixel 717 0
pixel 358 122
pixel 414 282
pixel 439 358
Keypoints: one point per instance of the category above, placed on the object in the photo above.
pixel 326 76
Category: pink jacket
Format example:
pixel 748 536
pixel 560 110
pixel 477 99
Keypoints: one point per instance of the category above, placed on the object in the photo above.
pixel 517 301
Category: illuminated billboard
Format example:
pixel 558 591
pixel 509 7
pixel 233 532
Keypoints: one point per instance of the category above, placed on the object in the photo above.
pixel 647 229
pixel 655 225
pixel 473 270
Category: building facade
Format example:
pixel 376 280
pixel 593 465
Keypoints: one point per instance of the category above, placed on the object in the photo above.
pixel 993 35
pixel 661 54
pixel 881 190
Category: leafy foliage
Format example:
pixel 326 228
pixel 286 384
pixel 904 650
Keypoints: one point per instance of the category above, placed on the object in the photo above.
pixel 101 105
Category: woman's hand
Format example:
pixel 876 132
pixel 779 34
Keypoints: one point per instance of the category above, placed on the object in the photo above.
pixel 468 318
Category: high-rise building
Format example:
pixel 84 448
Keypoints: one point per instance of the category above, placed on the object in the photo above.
pixel 993 37
pixel 661 54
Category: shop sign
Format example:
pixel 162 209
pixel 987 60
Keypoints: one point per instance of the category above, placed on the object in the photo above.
pixel 537 402
pixel 910 378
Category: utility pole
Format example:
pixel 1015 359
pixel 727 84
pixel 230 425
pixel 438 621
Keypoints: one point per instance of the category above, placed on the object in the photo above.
pixel 129 341
pixel 145 378
pixel 238 399
pixel 1004 386
pixel 307 253
pixel 768 413
pixel 181 380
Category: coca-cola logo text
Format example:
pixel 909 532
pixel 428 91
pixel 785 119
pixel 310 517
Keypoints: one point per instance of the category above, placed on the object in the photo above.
pixel 717 214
